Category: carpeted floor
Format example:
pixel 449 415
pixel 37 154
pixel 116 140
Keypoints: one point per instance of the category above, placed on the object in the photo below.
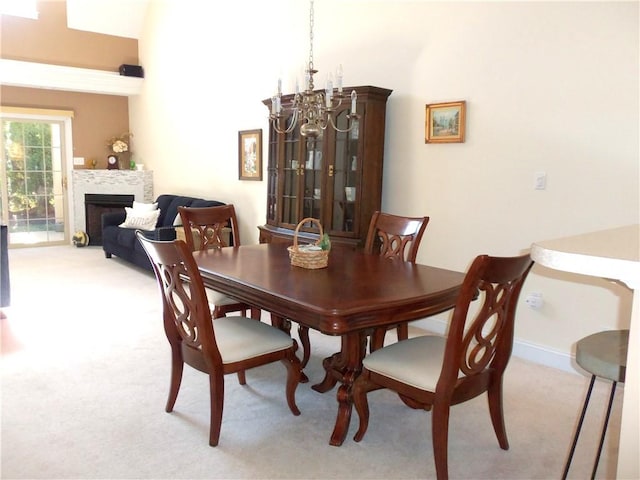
pixel 85 374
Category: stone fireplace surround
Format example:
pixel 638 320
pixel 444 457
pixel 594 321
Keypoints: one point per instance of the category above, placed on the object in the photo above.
pixel 113 182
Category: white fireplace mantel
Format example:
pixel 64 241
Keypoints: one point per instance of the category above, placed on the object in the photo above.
pixel 115 182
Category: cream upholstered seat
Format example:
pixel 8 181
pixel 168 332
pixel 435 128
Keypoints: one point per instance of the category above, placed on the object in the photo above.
pixel 241 338
pixel 219 300
pixel 434 373
pixel 217 346
pixel 417 363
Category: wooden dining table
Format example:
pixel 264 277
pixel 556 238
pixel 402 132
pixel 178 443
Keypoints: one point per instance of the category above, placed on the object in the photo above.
pixel 354 295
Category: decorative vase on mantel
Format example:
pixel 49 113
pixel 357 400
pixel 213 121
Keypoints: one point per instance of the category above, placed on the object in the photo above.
pixel 124 160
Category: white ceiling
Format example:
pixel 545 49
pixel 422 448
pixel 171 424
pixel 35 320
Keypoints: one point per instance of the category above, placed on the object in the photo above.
pixel 123 18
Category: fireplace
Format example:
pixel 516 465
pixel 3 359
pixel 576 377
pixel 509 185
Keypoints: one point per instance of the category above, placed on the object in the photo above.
pixel 95 204
pixel 108 182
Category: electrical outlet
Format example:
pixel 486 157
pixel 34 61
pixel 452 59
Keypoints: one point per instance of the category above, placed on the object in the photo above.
pixel 534 300
pixel 540 180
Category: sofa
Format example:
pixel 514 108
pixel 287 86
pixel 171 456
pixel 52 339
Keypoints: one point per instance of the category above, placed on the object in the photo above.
pixel 122 242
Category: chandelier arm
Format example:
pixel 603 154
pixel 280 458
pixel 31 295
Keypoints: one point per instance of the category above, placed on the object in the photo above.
pixel 294 121
pixel 333 107
pixel 335 127
pixel 292 125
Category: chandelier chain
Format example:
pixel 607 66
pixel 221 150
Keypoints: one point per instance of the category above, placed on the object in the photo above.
pixel 311 20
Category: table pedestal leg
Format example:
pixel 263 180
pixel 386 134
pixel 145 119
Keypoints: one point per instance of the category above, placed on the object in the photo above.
pixel 345 367
pixel 333 372
pixel 303 333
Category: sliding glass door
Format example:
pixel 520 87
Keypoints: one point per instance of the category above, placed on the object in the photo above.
pixel 33 181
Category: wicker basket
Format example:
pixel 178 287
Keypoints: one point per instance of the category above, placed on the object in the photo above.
pixel 311 259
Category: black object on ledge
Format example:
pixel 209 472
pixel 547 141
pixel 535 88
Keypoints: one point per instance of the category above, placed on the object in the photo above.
pixel 131 70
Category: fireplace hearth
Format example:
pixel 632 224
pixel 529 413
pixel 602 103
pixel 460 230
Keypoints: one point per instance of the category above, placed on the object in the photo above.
pixel 95 204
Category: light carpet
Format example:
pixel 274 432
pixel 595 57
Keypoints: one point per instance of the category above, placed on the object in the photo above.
pixel 85 376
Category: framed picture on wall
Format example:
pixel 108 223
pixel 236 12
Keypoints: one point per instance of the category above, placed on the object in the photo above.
pixel 250 154
pixel 445 122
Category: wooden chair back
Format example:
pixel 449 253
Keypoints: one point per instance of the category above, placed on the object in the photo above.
pixel 204 226
pixel 186 313
pixel 480 336
pixel 395 236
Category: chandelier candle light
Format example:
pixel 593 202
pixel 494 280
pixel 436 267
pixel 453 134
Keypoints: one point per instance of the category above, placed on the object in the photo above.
pixel 314 110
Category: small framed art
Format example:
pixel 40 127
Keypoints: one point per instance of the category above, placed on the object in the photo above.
pixel 445 122
pixel 250 154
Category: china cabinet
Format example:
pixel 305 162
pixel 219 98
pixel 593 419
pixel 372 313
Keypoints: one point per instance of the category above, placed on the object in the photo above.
pixel 335 178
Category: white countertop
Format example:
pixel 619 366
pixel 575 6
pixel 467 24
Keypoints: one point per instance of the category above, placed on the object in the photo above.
pixel 612 254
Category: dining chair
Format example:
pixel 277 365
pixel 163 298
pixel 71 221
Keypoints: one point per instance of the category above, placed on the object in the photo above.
pixel 215 346
pixel 215 227
pixel 208 227
pixel 394 236
pixel 433 372
pixel 391 236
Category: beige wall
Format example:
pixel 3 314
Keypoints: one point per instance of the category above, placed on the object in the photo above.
pixel 550 86
pixel 96 117
pixel 48 40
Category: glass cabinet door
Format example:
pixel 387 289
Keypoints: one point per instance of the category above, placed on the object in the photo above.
pixel 302 178
pixel 292 171
pixel 313 174
pixel 344 176
pixel 272 179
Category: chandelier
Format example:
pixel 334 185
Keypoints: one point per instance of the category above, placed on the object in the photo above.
pixel 314 110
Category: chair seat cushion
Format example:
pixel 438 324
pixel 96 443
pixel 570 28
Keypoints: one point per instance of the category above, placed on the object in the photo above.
pixel 217 298
pixel 416 361
pixel 240 338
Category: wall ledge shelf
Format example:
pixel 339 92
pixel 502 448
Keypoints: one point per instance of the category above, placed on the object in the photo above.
pixel 17 73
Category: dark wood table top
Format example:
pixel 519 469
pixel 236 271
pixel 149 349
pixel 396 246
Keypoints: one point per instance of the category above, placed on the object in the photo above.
pixel 355 292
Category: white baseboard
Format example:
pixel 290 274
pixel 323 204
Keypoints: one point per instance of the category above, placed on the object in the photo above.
pixel 521 349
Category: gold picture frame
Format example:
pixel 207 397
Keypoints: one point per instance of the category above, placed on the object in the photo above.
pixel 445 122
pixel 250 154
